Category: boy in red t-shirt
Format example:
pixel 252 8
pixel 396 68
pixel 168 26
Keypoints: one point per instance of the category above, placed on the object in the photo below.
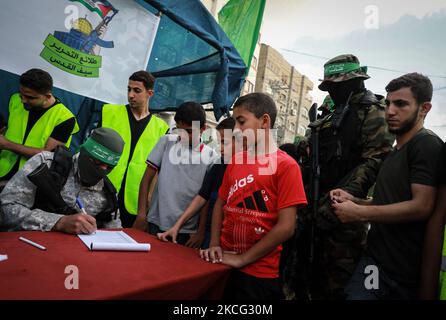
pixel 257 205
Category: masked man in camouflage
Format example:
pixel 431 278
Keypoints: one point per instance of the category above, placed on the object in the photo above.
pixel 49 191
pixel 353 140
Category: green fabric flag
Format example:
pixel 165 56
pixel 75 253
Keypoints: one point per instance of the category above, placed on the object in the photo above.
pixel 241 20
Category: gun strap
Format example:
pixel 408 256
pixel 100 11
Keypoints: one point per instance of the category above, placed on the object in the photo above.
pixel 61 164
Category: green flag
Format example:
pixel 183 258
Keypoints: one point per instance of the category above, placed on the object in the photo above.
pixel 241 20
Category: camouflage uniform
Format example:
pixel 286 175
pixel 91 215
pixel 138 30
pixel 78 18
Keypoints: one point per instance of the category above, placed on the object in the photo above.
pixel 337 246
pixel 17 199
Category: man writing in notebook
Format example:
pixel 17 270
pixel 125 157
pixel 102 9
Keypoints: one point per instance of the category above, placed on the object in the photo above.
pixel 42 196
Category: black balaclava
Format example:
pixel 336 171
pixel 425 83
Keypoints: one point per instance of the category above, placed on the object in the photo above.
pixel 104 145
pixel 340 91
pixel 89 173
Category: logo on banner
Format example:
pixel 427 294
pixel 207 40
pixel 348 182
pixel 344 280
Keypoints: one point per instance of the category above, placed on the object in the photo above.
pixel 77 51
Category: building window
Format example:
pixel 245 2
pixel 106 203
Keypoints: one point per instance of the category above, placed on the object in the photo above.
pixel 249 86
pixel 284 79
pixel 304 113
pixel 254 62
pixel 270 65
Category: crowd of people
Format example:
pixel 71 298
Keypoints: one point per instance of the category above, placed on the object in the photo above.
pixel 355 210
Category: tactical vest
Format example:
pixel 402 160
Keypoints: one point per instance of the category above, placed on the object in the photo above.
pixel 116 117
pixel 50 182
pixel 339 150
pixel 38 135
pixel 443 270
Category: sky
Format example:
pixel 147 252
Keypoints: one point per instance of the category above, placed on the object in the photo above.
pixel 399 35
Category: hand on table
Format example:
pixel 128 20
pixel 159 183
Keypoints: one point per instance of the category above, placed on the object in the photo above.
pixel 213 254
pixel 171 233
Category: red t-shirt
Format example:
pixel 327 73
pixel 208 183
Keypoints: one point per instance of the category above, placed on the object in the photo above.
pixel 254 194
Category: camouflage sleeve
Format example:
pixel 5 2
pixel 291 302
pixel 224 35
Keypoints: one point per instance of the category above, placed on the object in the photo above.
pixel 17 199
pixel 376 143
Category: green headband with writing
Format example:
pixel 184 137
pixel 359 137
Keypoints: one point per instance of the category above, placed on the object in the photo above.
pixel 101 153
pixel 346 67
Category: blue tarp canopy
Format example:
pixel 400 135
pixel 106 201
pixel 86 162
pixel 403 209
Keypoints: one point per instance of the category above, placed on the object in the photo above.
pixel 192 59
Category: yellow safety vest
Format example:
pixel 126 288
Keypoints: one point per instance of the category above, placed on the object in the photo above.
pixel 443 271
pixel 116 117
pixel 38 135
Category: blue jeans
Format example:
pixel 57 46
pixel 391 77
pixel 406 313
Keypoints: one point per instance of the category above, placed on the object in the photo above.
pixel 388 289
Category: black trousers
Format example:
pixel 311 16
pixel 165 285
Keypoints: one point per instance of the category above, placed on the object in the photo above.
pixel 242 286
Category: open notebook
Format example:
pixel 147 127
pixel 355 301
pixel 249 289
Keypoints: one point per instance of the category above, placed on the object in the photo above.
pixel 112 241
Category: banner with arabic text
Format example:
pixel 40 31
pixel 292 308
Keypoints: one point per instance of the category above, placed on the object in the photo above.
pixel 90 47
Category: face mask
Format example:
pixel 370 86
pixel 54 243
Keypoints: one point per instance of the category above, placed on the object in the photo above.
pixel 340 91
pixel 90 175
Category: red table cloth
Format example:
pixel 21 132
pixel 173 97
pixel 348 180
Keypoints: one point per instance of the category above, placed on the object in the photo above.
pixel 167 271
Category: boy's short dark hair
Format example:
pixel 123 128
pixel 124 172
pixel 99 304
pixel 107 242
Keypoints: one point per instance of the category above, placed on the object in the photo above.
pixel 228 123
pixel 145 77
pixel 37 80
pixel 259 104
pixel 420 86
pixel 190 111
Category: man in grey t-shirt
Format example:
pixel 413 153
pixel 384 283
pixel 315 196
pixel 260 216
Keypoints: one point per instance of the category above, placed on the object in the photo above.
pixel 181 161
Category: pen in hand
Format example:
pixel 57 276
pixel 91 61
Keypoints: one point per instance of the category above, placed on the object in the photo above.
pixel 80 204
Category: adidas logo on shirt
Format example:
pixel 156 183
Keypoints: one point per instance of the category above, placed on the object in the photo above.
pixel 240 184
